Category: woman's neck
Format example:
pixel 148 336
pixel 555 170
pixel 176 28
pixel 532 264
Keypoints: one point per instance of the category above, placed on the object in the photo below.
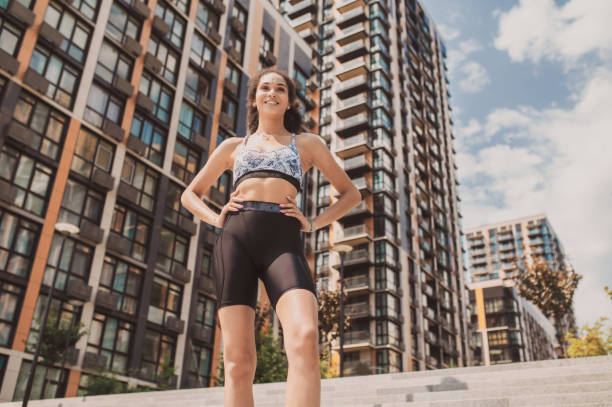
pixel 273 127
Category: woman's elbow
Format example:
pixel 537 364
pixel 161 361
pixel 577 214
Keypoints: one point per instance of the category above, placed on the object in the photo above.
pixel 356 195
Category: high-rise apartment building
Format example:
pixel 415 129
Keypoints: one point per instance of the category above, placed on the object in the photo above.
pixel 108 109
pixel 493 251
pixel 385 113
pixel 509 328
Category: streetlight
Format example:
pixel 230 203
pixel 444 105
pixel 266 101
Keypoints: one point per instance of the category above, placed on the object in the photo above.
pixel 66 229
pixel 342 249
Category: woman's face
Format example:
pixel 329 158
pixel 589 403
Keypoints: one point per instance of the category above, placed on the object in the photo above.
pixel 272 95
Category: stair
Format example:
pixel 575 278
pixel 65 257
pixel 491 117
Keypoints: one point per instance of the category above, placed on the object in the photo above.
pixel 567 382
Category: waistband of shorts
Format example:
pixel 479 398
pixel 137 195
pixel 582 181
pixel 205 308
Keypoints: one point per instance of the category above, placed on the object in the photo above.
pixel 260 206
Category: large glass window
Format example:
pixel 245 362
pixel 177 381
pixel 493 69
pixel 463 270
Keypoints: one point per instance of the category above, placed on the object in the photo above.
pixel 206 19
pixel 102 105
pixel 61 312
pixel 63 78
pixel 158 349
pixel 48 382
pixel 174 210
pixel 197 86
pixel 111 337
pixel 184 162
pixel 161 95
pixel 176 23
pixel 10 304
pixel 74 264
pixel 167 56
pixel 135 228
pixel 124 280
pixel 201 50
pixel 10 37
pixel 173 249
pixel 32 180
pixel 387 332
pixel 166 298
pixel 18 240
pixel 80 202
pixel 88 8
pixel 143 178
pixel 121 24
pixel 200 361
pixel 91 152
pixel 112 62
pixel 388 361
pixel 47 124
pixel 76 34
pixel 153 135
pixel 205 316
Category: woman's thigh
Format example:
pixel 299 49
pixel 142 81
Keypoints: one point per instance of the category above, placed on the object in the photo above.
pixel 237 328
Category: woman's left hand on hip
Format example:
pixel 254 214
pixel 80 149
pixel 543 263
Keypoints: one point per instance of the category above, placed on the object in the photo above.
pixel 290 208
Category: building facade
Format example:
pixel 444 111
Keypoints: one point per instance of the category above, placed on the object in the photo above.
pixel 108 110
pixel 385 113
pixel 510 328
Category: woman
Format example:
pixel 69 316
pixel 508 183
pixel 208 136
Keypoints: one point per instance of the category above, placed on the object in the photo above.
pixel 260 237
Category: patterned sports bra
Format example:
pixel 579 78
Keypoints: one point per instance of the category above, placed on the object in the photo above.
pixel 282 162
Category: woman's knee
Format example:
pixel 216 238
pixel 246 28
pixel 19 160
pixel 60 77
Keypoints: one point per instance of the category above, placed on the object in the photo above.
pixel 303 339
pixel 239 364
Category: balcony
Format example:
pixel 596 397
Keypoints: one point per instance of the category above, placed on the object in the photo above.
pixel 300 8
pixel 352 106
pixel 352 50
pixel 356 257
pixel 307 21
pixel 355 339
pixel 353 125
pixel 309 35
pixel 347 5
pixel 351 69
pixel 354 16
pixel 363 185
pixel 357 284
pixel 431 314
pixel 353 235
pixel 357 164
pixel 358 310
pixel 354 145
pixel 351 34
pixel 352 87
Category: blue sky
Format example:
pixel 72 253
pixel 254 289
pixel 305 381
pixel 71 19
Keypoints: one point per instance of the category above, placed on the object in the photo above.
pixel 531 85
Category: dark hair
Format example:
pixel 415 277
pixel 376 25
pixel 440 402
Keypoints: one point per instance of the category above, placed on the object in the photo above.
pixel 292 119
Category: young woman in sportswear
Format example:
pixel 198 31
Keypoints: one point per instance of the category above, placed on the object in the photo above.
pixel 260 237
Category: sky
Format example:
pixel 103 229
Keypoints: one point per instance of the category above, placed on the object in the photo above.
pixel 531 86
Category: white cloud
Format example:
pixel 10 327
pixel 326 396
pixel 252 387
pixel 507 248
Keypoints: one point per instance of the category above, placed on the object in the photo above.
pixel 540 29
pixel 561 168
pixel 448 33
pixel 475 77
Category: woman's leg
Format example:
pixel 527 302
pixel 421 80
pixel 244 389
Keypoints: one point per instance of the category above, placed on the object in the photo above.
pixel 239 354
pixel 297 310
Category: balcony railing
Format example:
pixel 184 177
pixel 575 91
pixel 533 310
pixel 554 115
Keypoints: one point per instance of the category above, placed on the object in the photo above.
pixel 357 282
pixel 351 338
pixel 358 310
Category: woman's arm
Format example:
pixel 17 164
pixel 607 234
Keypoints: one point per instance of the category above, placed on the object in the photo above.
pixel 350 196
pixel 217 163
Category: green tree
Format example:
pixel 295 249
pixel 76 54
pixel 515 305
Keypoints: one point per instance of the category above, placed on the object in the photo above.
pixel 550 288
pixel 104 384
pixel 329 318
pixel 590 340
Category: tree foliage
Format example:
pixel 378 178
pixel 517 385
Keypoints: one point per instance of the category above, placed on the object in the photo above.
pixel 590 340
pixel 608 291
pixel 58 338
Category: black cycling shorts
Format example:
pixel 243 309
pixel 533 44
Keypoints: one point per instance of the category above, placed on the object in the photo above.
pixel 259 242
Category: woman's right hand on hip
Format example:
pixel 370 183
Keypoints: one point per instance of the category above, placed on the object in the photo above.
pixel 232 205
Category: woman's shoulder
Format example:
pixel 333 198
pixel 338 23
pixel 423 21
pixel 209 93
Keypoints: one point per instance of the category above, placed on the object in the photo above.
pixel 306 139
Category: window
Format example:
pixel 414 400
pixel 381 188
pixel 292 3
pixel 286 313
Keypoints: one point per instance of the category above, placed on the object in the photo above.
pixel 80 203
pixel 201 50
pixel 206 20
pixel 388 361
pixel 176 24
pixel 205 316
pixel 61 312
pixel 267 42
pixel 386 278
pixel 48 382
pixel 200 361
pixel 229 107
pixel 76 34
pixel 237 43
pixel 322 238
pixel 143 178
pixel 89 8
pixel 10 304
pixel 32 180
pixel 240 13
pixel 112 63
pixel 184 162
pixel 385 252
pixel 383 181
pixel 152 135
pixel 166 298
pixel 387 332
pixel 102 106
pixel 124 280
pixel 10 37
pixel 91 152
pixel 182 5
pixel 191 123
pixel 383 226
pixel 321 262
pixel 18 240
pixel 160 94
pixel 47 124
pixel 232 74
pixel 63 79
pixel 205 268
pixel 387 305
pixel 75 262
pixel 323 193
pixel 135 228
pixel 158 349
pixel 173 250
pixel 167 56
pixel 121 24
pixel 300 77
pixel 111 337
pixel 197 86
pixel 174 210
